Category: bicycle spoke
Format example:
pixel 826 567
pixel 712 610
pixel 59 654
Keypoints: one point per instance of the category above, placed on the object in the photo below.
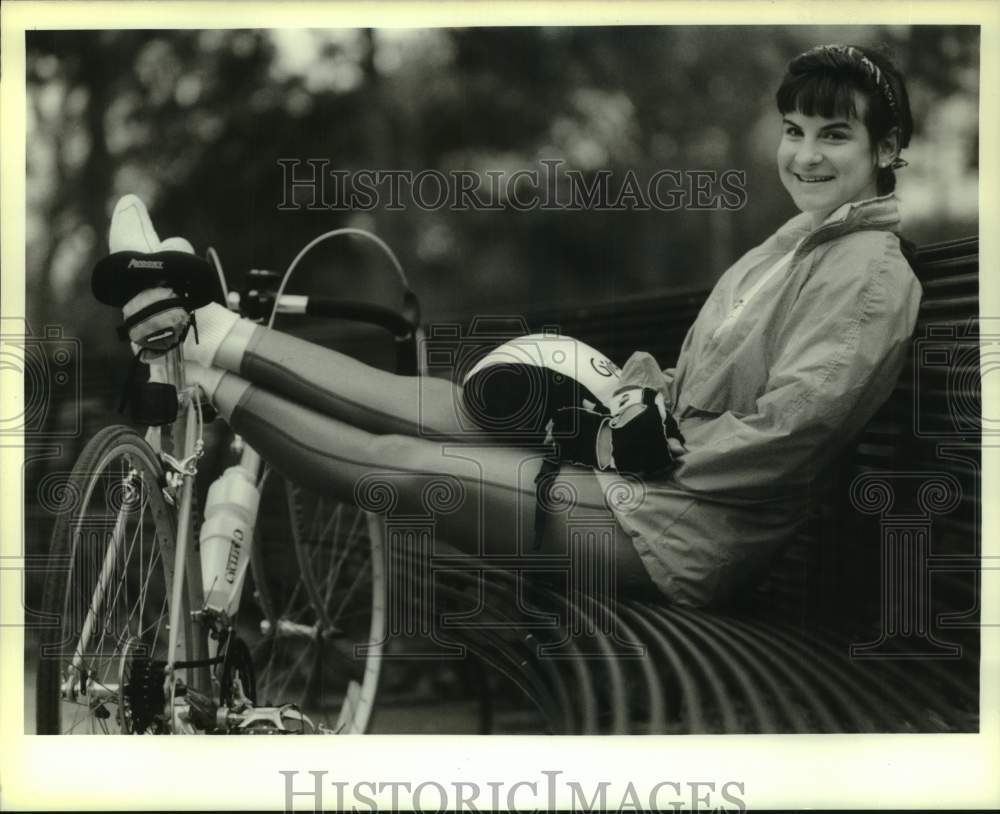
pixel 333 521
pixel 293 670
pixel 354 532
pixel 362 576
pixel 270 660
pixel 123 582
pixel 330 585
pixel 159 619
pixel 291 602
pixel 85 709
pixel 118 534
pixel 100 589
pixel 335 574
pixel 140 603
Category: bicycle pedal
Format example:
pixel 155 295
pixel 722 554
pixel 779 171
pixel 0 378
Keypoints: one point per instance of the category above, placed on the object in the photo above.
pixel 284 720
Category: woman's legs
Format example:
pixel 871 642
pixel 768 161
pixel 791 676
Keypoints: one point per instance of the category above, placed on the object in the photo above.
pixel 481 499
pixel 327 381
pixel 366 436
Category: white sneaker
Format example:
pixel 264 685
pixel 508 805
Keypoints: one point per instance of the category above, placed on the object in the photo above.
pixel 132 230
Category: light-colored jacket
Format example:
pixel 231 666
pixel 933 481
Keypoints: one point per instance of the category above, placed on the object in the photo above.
pixel 767 404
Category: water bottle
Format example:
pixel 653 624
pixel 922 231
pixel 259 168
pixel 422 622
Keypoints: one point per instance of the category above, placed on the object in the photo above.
pixel 230 515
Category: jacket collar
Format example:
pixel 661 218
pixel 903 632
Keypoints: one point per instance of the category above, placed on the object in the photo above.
pixel 880 213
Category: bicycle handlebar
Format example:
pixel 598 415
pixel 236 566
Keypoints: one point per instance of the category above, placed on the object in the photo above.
pixel 401 324
pixel 404 325
pixel 396 323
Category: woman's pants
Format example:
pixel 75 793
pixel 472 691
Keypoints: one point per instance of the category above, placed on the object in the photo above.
pixel 403 445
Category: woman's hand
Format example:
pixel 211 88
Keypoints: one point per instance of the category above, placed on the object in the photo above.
pixel 639 437
pixel 578 432
pixel 644 435
pixel 676 447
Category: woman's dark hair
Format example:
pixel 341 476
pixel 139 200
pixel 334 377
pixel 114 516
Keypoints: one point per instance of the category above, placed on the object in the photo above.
pixel 822 82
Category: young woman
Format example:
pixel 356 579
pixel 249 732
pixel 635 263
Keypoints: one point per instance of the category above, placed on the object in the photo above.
pixel 798 344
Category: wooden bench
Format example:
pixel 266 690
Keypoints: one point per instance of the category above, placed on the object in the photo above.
pixel 868 623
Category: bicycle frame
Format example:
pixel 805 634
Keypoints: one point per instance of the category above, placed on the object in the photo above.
pixel 184 436
pixel 193 644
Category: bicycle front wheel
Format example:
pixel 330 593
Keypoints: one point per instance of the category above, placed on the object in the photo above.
pixel 101 663
pixel 319 582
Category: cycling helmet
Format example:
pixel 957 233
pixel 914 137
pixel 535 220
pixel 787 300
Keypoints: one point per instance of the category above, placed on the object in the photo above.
pixel 518 386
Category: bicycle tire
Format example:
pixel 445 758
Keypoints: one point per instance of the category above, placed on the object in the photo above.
pixel 319 579
pixel 115 484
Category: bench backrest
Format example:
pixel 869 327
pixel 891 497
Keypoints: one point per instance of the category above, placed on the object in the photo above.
pixel 905 510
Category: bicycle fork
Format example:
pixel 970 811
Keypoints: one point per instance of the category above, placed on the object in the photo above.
pixel 76 672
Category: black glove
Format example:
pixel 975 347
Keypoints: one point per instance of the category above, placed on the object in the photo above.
pixel 640 426
pixel 575 430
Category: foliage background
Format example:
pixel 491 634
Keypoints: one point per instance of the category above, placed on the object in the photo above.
pixel 195 122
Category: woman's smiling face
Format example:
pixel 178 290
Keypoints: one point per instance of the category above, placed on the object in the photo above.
pixel 825 163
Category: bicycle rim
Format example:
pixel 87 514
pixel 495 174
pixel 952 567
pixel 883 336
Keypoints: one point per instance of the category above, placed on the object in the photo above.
pixel 319 579
pixel 101 663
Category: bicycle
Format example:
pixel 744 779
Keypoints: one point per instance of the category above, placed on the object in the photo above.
pixel 137 649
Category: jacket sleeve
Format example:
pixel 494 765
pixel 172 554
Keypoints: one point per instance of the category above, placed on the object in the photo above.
pixel 838 356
